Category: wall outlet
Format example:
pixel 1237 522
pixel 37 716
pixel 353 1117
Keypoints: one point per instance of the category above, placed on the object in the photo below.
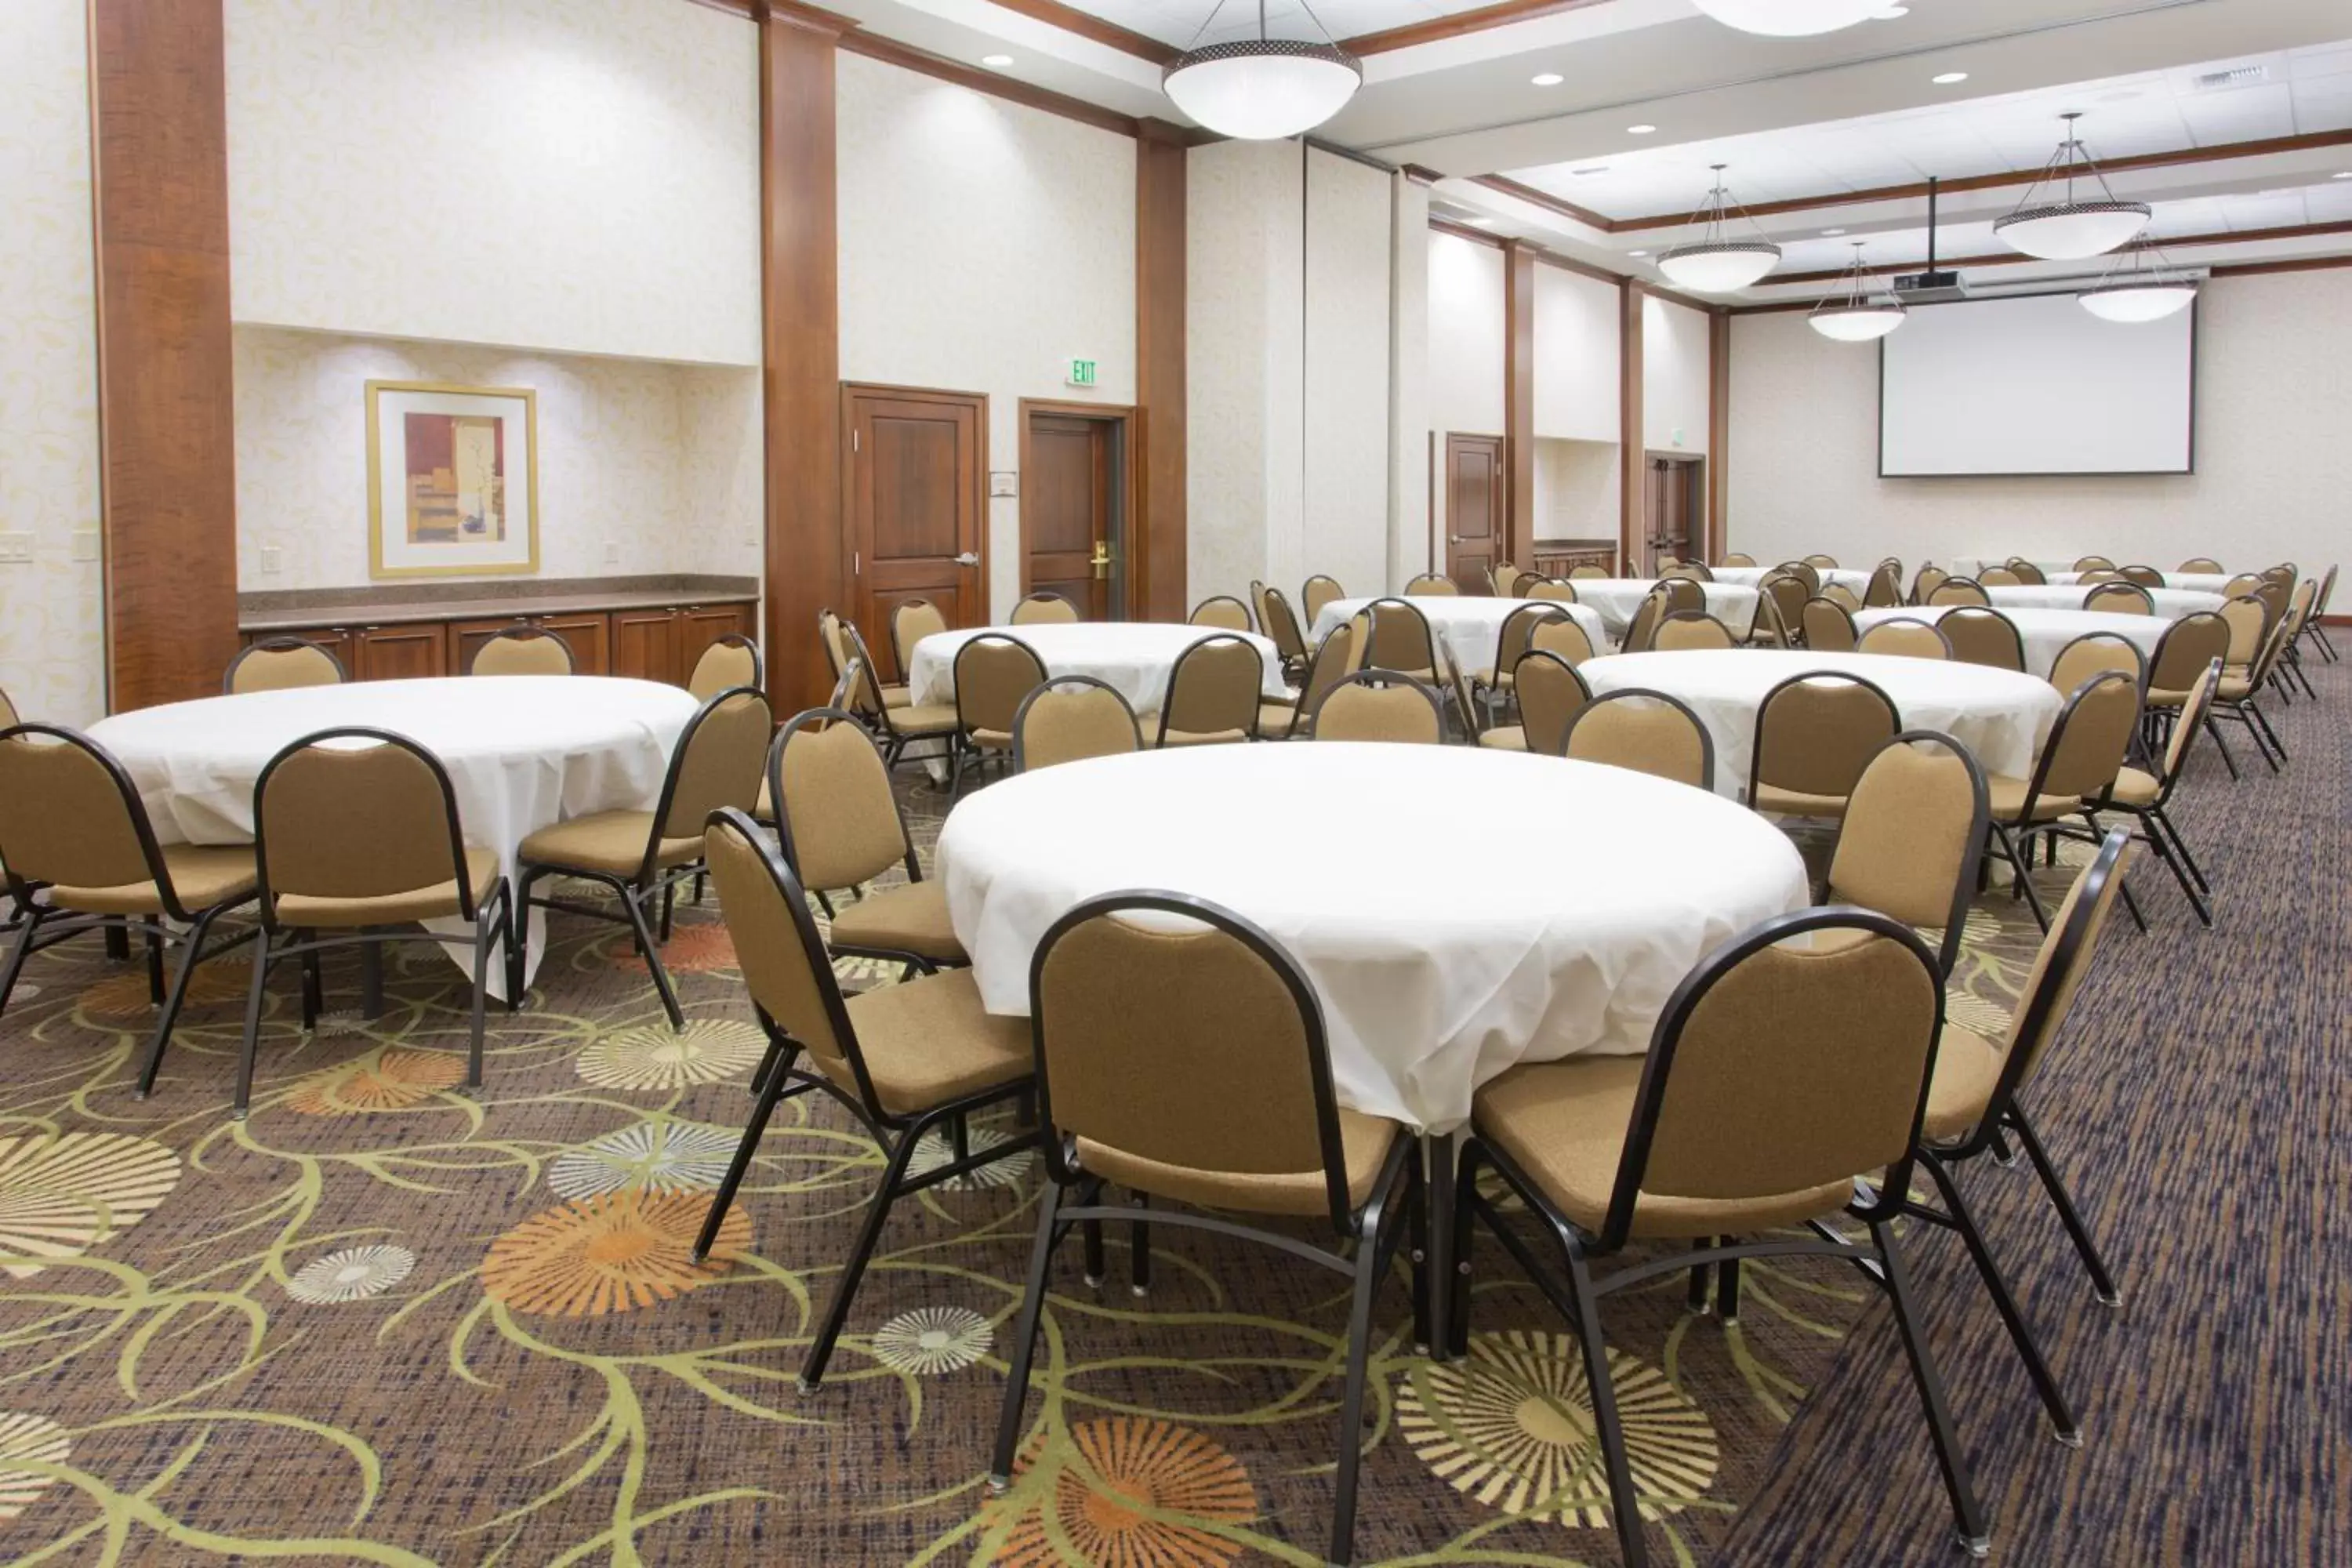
pixel 273 558
pixel 85 544
pixel 751 538
pixel 16 549
pixel 611 553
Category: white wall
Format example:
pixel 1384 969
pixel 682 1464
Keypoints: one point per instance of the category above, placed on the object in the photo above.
pixel 1412 529
pixel 579 175
pixel 1579 374
pixel 52 632
pixel 1347 305
pixel 1674 375
pixel 1576 487
pixel 2274 457
pixel 641 467
pixel 984 245
pixel 1466 327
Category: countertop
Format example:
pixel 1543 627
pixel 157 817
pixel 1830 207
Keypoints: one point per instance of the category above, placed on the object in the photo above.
pixel 404 605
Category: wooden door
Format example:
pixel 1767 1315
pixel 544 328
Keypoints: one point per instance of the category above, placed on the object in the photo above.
pixel 1065 512
pixel 1673 522
pixel 413 652
pixel 1477 504
pixel 913 507
pixel 646 644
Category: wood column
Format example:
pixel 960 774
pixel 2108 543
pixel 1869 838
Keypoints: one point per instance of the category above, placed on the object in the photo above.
pixel 1519 399
pixel 167 445
pixel 1157 538
pixel 1718 434
pixel 1632 436
pixel 800 285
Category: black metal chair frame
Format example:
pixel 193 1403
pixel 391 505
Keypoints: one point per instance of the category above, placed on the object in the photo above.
pixel 2158 830
pixel 895 752
pixel 280 645
pixel 1392 604
pixel 1829 676
pixel 1280 622
pixel 1536 613
pixel 2016 839
pixel 1706 740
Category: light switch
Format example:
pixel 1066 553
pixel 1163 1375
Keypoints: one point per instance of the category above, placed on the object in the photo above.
pixel 611 553
pixel 85 544
pixel 16 549
pixel 273 558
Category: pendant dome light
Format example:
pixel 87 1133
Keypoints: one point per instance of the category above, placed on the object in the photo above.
pixel 1790 18
pixel 1717 263
pixel 1854 315
pixel 1262 89
pixel 2069 229
pixel 2134 291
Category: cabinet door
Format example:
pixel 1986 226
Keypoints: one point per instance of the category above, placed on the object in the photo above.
pixel 699 626
pixel 586 631
pixel 400 653
pixel 644 645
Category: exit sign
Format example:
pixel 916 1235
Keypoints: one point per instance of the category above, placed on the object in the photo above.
pixel 1082 373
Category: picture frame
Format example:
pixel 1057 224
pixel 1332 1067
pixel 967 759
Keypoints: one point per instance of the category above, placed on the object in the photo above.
pixel 453 480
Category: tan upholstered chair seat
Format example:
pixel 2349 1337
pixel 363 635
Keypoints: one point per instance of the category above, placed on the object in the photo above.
pixel 909 918
pixel 1967 1069
pixel 2133 787
pixel 2161 697
pixel 929 1040
pixel 897 697
pixel 765 811
pixel 1508 738
pixel 1204 737
pixel 1796 802
pixel 2006 796
pixel 1498 679
pixel 613 842
pixel 992 740
pixel 1564 1124
pixel 1274 719
pixel 202 874
pixel 1364 1140
pixel 438 901
pixel 930 719
pixel 2234 688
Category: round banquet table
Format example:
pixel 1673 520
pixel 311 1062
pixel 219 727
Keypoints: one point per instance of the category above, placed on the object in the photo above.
pixel 1998 714
pixel 1134 657
pixel 521 752
pixel 2193 582
pixel 1749 576
pixel 2044 632
pixel 1470 625
pixel 1617 598
pixel 1436 971
pixel 2170 603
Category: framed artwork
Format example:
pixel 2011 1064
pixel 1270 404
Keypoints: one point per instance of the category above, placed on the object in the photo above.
pixel 453 480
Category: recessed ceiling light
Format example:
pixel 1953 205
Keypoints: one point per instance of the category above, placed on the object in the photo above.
pixel 1546 78
pixel 2347 175
pixel 1640 129
pixel 1832 232
pixel 996 62
pixel 1946 79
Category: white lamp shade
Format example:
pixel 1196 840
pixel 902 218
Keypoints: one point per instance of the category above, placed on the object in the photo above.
pixel 1720 267
pixel 2135 303
pixel 1856 324
pixel 1790 18
pixel 1259 90
pixel 2074 231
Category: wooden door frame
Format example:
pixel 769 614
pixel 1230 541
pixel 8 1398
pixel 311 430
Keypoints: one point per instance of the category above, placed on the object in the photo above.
pixel 845 583
pixel 1129 486
pixel 1702 520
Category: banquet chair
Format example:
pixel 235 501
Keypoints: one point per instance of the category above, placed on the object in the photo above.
pixel 1276 619
pixel 1828 625
pixel 1501 578
pixel 1340 655
pixel 1822 563
pixel 1906 638
pixel 1431 584
pixel 843 643
pixel 1912 837
pixel 348 846
pixel 1587 570
pixel 275 664
pixel 2143 794
pixel 524 650
pixel 1981 634
pixel 2283 574
pixel 2095 653
pixel 1380 705
pixel 1999 578
pixel 1550 693
pixel 1681 594
pixel 912 620
pixel 2086 749
pixel 1564 636
pixel 1957 591
pixel 1555 591
pixel 1815 733
pixel 1930 578
pixel 2092 564
pixel 839 826
pixel 1465 703
pixel 2101 574
pixel 1791 1065
pixel 2249 623
pixel 2315 628
pixel 2146 576
pixel 1692 570
pixel 733 660
pixel 898 725
pixel 2235 694
pixel 73 826
pixel 1069 719
pixel 1642 627
pixel 1222 611
pixel 1044 610
pixel 1692 630
pixel 1737 559
pixel 1212 693
pixel 1646 731
pixel 1510 642
pixel 910 1062
pixel 1806 573
pixel 642 856
pixel 2026 571
pixel 1401 639
pixel 2202 564
pixel 1190 1066
pixel 2120 599
pixel 993 672
pixel 1841 595
pixel 1317 592
pixel 1785 619
pixel 2187 647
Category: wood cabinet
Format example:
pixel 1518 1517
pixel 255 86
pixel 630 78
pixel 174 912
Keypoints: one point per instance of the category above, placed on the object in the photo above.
pixel 585 634
pixel 644 645
pixel 656 643
pixel 408 652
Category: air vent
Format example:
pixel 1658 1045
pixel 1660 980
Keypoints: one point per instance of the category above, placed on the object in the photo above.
pixel 2236 76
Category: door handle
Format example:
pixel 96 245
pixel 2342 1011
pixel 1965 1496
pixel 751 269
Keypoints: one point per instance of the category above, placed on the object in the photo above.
pixel 969 558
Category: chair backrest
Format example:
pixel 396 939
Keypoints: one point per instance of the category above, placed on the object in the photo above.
pixel 717 764
pixel 1806 573
pixel 1815 732
pixel 1646 731
pixel 2283 574
pixel 1193 1043
pixel 1213 688
pixel 2274 595
pixel 2088 743
pixel 910 622
pixel 1587 570
pixel 1380 705
pixel 1737 559
pixel 1780 1066
pixel 1981 634
pixel 1930 578
pixel 1838 593
pixel 1829 629
pixel 1274 613
pixel 1690 571
pixel 524 650
pixel 1822 563
pixel 2092 564
pixel 2199 563
pixel 1070 718
pixel 1788 593
pixel 8 718
pixel 1692 630
pixel 1401 639
pixel 1501 578
pixel 1957 591
pixel 1221 610
pixel 2026 571
pixel 2249 621
pixel 1319 591
pixel 2188 646
pixel 2146 576
pixel 1342 655
pixel 2306 597
pixel 832 635
pixel 1044 610
pixel 1999 578
pixel 274 664
pixel 2326 591
pixel 733 660
pixel 1906 638
pixel 2095 653
pixel 2198 699
pixel 1642 627
pixel 835 815
pixel 1551 693
pixel 1431 584
pixel 71 817
pixel 2244 582
pixel 993 673
pixel 1517 627
pixel 339 822
pixel 1564 636
pixel 2120 598
pixel 858 677
pixel 1681 594
pixel 1913 832
pixel 1555 591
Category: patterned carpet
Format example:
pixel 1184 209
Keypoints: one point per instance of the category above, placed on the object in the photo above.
pixel 382 1321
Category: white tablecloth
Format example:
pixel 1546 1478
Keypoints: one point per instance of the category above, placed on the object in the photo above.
pixel 521 752
pixel 2045 632
pixel 1999 714
pixel 1135 657
pixel 2062 571
pixel 2195 582
pixel 2170 602
pixel 1617 598
pixel 1749 576
pixel 1435 970
pixel 1471 627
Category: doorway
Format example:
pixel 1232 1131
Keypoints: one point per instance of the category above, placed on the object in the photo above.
pixel 1075 506
pixel 1477 508
pixel 914 507
pixel 1673 509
